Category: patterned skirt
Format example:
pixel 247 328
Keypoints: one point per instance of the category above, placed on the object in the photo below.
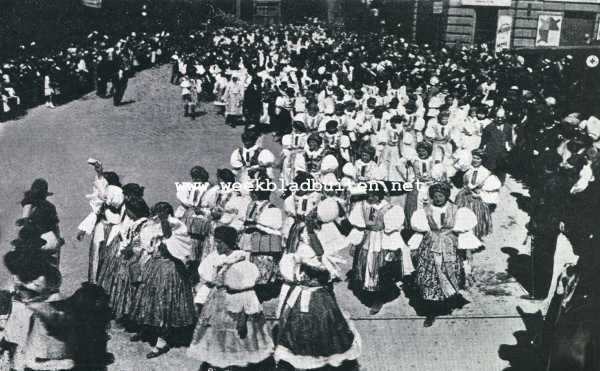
pixel 122 285
pixel 164 298
pixel 439 275
pixel 216 340
pixel 99 252
pixel 384 272
pixel 480 209
pixel 108 263
pixel 318 337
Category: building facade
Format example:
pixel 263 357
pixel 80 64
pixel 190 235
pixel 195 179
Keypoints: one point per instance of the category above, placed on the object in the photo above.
pixel 509 23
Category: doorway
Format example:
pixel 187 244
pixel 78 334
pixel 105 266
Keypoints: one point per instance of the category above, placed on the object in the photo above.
pixel 486 21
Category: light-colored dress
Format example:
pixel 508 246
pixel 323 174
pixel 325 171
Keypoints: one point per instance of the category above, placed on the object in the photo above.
pixel 390 159
pixel 293 149
pixel 231 304
pixel 233 99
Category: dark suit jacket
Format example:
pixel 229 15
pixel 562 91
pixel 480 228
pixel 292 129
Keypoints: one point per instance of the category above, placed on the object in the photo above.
pixel 493 142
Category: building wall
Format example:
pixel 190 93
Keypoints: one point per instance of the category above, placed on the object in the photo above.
pixel 459 21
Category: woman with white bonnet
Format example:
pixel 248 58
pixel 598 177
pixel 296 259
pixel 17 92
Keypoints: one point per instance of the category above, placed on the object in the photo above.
pixel 106 202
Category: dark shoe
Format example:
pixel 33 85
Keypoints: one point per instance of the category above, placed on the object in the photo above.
pixel 136 337
pixel 375 308
pixel 157 353
pixel 428 321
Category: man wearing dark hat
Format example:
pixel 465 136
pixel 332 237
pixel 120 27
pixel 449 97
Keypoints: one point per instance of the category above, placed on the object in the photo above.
pixel 496 141
pixel 40 214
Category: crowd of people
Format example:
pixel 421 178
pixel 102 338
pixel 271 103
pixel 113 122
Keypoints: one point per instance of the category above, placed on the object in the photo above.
pixel 392 150
pixel 29 79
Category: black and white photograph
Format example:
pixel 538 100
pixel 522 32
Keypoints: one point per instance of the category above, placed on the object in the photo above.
pixel 299 185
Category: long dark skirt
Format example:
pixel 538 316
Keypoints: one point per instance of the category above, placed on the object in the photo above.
pixel 164 298
pixel 322 336
pixel 121 286
pixel 385 272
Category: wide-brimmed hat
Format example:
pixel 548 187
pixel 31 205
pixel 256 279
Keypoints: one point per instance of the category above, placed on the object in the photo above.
pixel 39 187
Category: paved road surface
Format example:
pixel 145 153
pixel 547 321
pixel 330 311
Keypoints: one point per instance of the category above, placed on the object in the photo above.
pixel 149 142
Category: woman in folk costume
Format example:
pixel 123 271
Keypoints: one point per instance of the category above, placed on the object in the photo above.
pixel 480 188
pixel 220 86
pixel 359 131
pixel 422 168
pixel 122 273
pixel 163 303
pixel 231 330
pixel 390 138
pixel 442 230
pixel 312 118
pixel 293 147
pixel 41 215
pixel 106 202
pixel 440 133
pixel 313 155
pixel 212 208
pixel 471 129
pixel 33 325
pixel 189 211
pixel 313 332
pixel 413 124
pixel 336 143
pixel 261 235
pixel 247 160
pixel 299 205
pixel 189 96
pixel 233 97
pixel 381 256
pixel 366 167
pixel 379 125
pixel 189 193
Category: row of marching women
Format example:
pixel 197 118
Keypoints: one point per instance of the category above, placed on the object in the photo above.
pixel 203 264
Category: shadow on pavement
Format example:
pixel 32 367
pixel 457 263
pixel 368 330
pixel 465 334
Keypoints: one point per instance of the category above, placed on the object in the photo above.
pixel 518 266
pixel 526 354
pixel 523 202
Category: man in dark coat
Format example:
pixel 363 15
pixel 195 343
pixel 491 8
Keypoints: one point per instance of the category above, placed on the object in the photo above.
pixel 252 105
pixel 496 141
pixel 546 210
pixel 120 80
pixel 104 73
